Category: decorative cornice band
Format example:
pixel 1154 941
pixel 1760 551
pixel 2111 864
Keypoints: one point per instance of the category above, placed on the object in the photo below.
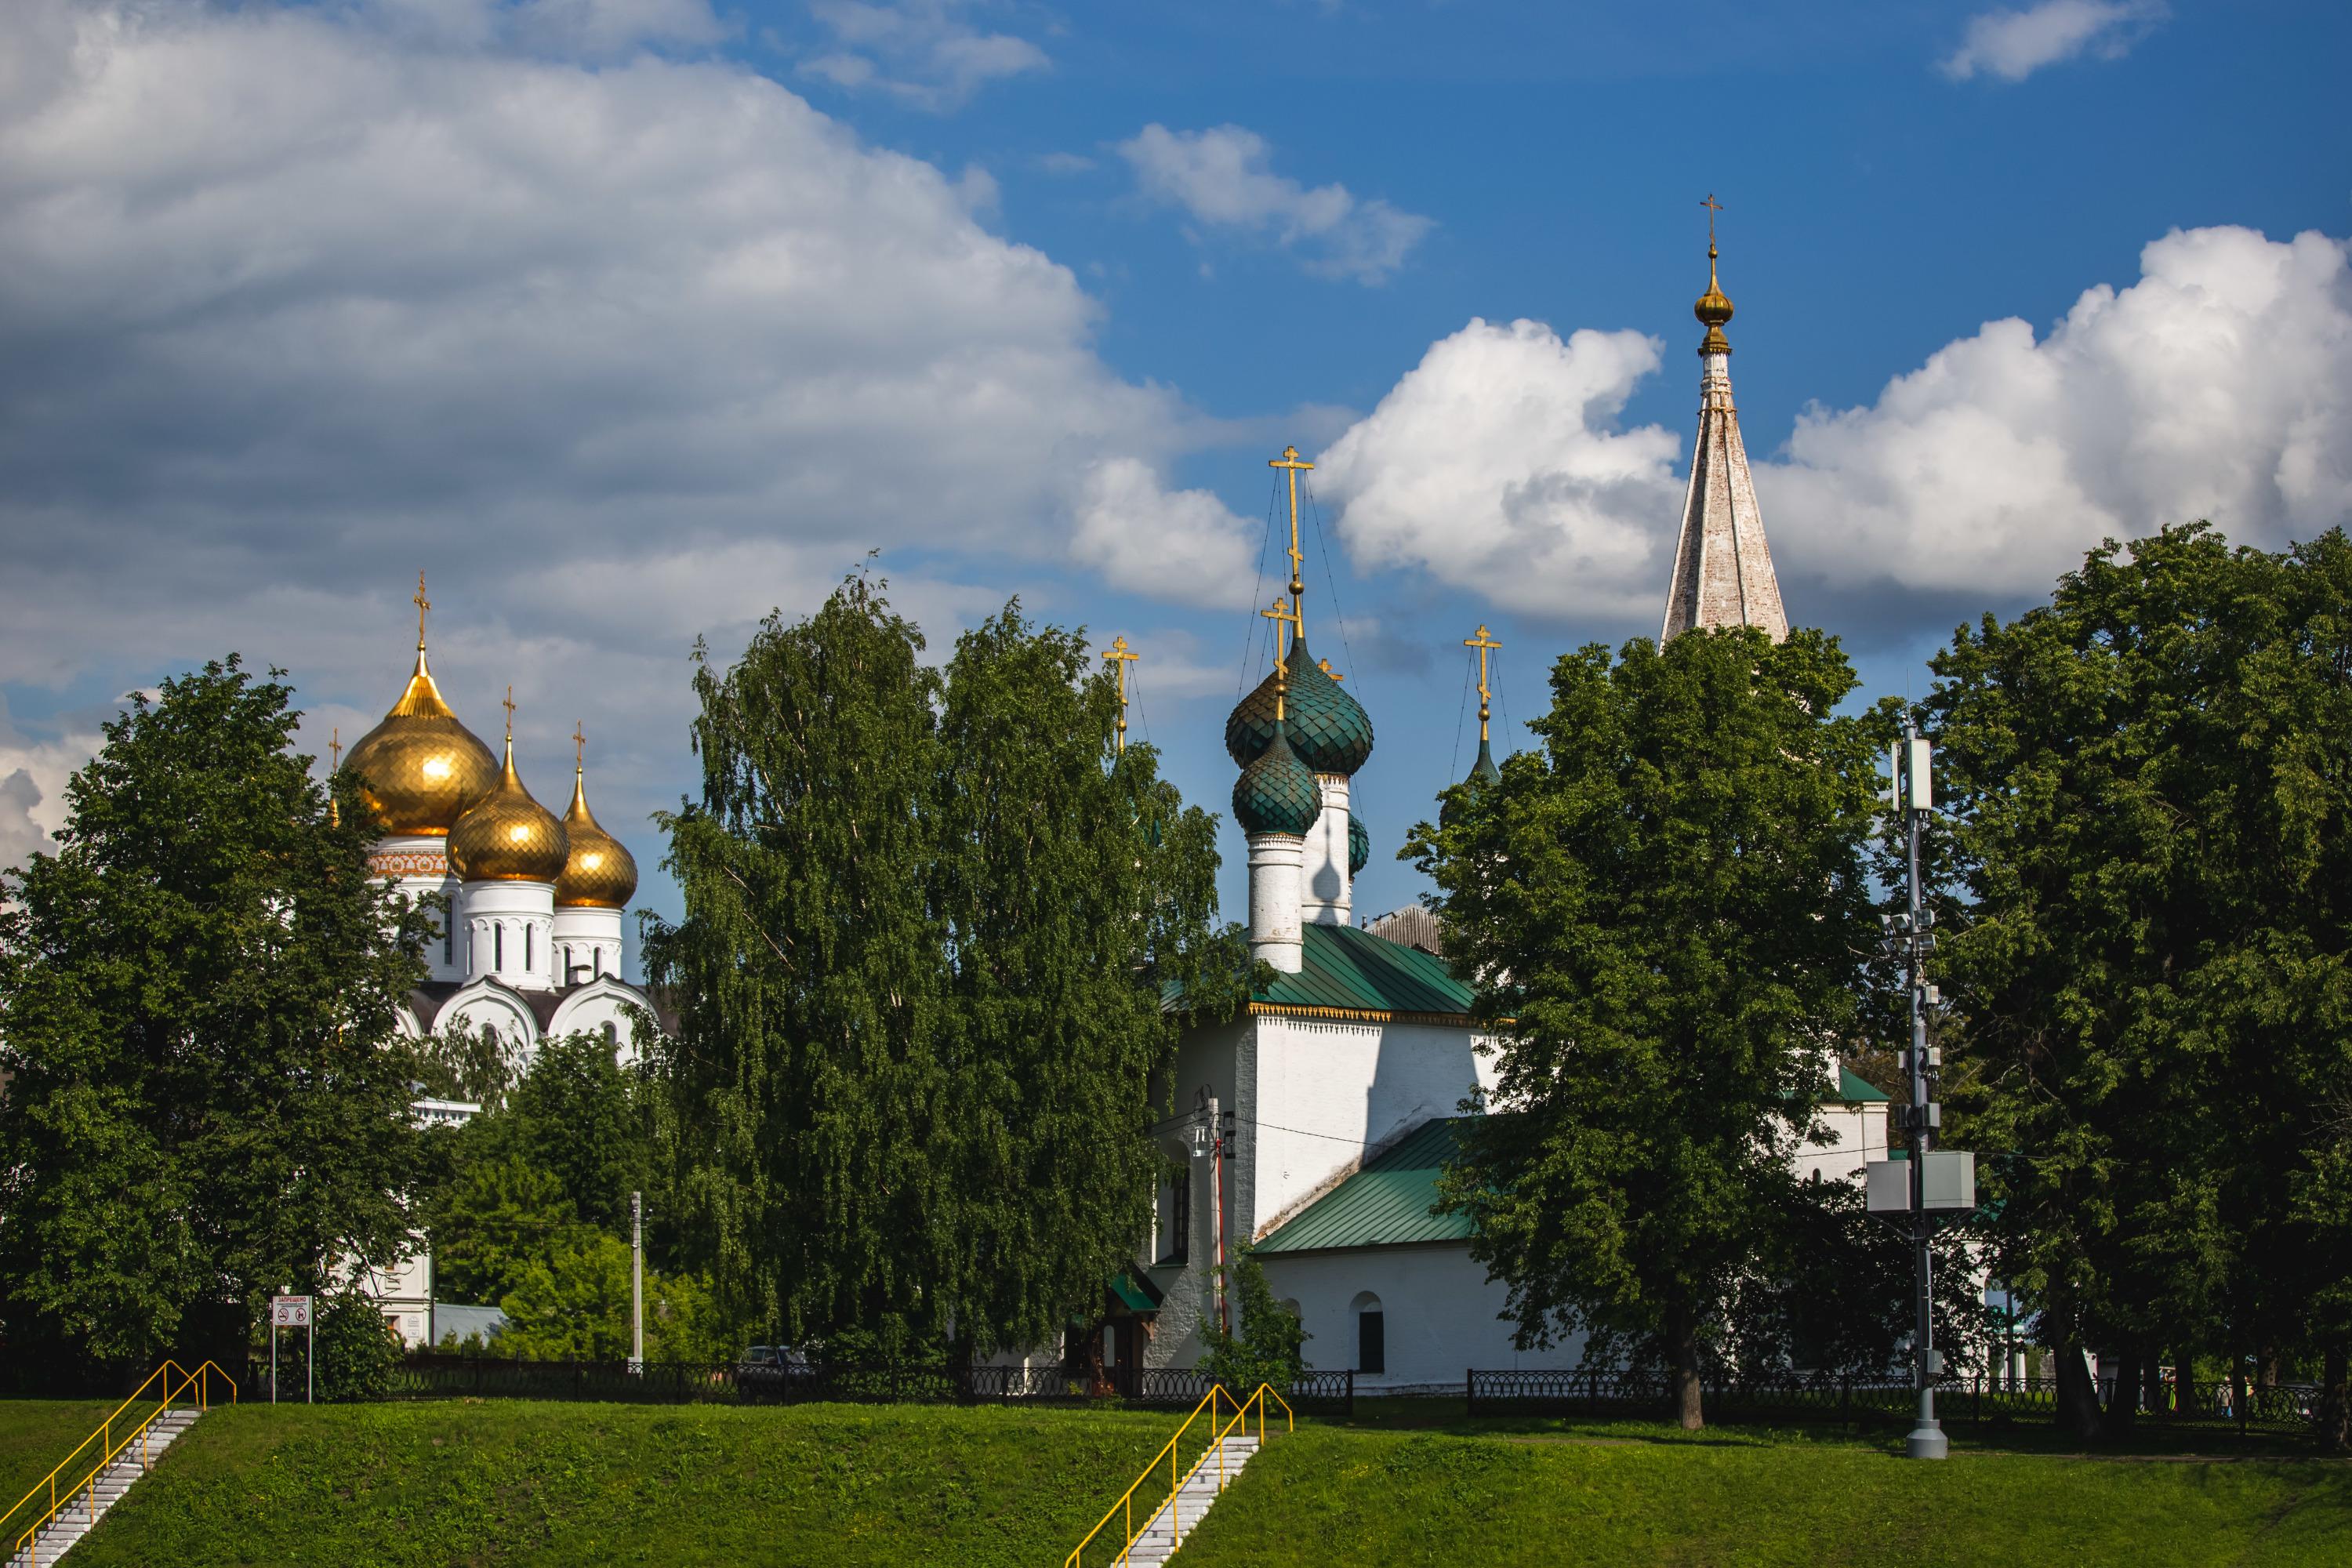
pixel 409 863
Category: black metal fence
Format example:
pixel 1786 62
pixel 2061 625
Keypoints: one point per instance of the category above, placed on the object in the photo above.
pixel 442 1375
pixel 2273 1409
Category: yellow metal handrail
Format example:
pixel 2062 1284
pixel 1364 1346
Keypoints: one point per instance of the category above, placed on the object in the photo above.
pixel 1123 1508
pixel 27 1543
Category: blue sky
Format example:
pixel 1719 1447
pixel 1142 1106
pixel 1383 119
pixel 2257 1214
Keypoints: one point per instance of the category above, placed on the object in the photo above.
pixel 628 319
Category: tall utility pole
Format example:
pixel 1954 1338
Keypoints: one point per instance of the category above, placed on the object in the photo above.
pixel 1927 1440
pixel 636 1283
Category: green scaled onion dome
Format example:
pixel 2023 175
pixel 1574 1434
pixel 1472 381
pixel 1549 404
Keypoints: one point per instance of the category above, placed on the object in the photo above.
pixel 1360 846
pixel 1277 793
pixel 1330 730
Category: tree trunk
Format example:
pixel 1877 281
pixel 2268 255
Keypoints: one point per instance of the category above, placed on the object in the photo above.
pixel 1687 1410
pixel 2335 1426
pixel 2123 1394
pixel 2151 1383
pixel 2078 1393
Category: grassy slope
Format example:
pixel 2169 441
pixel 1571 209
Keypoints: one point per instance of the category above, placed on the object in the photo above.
pixel 512 1482
pixel 1329 1495
pixel 34 1434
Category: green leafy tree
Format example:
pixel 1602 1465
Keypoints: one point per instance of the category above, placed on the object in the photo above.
pixel 2146 937
pixel 1271 1346
pixel 1667 912
pixel 930 923
pixel 206 1095
pixel 358 1355
pixel 497 1219
pixel 580 1117
pixel 474 1066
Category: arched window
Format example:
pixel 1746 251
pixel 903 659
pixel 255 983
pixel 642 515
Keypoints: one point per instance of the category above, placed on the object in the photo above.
pixel 612 1034
pixel 528 929
pixel 448 939
pixel 499 945
pixel 596 956
pixel 1372 1333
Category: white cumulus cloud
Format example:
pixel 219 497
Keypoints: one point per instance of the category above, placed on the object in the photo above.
pixel 620 349
pixel 2218 386
pixel 924 53
pixel 1182 545
pixel 1494 465
pixel 2013 45
pixel 1220 178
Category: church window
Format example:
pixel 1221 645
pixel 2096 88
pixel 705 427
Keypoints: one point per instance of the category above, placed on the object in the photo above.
pixel 1372 1334
pixel 597 957
pixel 528 929
pixel 1180 1217
pixel 612 1034
pixel 448 941
pixel 499 946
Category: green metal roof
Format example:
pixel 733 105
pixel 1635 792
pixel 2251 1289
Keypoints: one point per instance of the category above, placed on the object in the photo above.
pixel 1386 1204
pixel 1856 1092
pixel 1346 966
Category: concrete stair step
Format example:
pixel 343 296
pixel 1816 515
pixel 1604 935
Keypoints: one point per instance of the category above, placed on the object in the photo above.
pixel 75 1518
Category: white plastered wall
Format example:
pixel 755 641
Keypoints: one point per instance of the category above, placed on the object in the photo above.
pixel 601 1006
pixel 418 865
pixel 1441 1314
pixel 587 943
pixel 510 927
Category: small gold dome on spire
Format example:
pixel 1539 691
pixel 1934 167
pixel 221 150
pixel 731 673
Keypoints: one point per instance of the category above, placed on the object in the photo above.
pixel 598 872
pixel 1714 307
pixel 421 768
pixel 506 835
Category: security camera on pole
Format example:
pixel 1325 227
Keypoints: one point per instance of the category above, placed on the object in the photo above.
pixel 1929 1184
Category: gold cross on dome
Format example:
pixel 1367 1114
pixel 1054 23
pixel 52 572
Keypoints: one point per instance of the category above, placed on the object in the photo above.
pixel 579 746
pixel 335 750
pixel 1122 657
pixel 509 705
pixel 1296 466
pixel 1713 208
pixel 422 604
pixel 1286 619
pixel 1481 642
pixel 1325 666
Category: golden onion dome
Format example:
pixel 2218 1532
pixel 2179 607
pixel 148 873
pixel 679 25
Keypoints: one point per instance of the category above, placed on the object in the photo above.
pixel 1713 308
pixel 598 873
pixel 420 769
pixel 507 837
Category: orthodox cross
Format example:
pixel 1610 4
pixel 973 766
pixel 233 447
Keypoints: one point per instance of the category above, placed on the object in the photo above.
pixel 1290 460
pixel 335 750
pixel 509 705
pixel 1286 619
pixel 1713 208
pixel 1481 642
pixel 1120 657
pixel 422 604
pixel 1325 666
pixel 579 748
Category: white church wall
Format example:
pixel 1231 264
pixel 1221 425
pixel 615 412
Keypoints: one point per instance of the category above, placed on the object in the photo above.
pixel 1320 1095
pixel 602 1007
pixel 587 943
pixel 487 1005
pixel 1440 1314
pixel 418 865
pixel 1325 889
pixel 511 930
pixel 1850 1137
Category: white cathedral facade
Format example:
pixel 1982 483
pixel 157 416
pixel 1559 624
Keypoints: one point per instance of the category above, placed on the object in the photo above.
pixel 529 946
pixel 1319 1119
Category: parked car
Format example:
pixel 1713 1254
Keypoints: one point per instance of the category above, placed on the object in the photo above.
pixel 765 1372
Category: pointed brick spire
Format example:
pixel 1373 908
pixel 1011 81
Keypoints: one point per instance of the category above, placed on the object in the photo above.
pixel 1723 569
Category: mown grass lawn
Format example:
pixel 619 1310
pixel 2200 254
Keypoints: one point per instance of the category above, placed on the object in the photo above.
pixel 514 1483
pixel 519 1482
pixel 34 1434
pixel 1626 1494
